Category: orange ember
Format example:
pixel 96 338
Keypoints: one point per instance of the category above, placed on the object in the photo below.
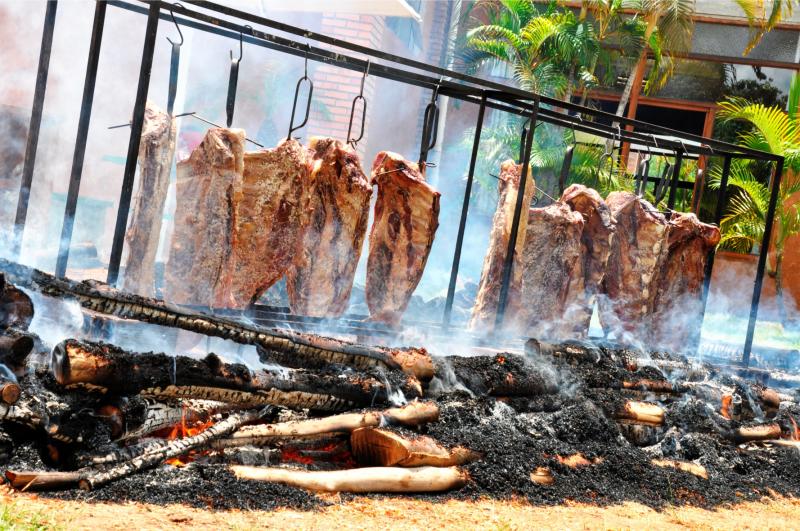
pixel 795 432
pixel 725 410
pixel 186 429
pixel 501 359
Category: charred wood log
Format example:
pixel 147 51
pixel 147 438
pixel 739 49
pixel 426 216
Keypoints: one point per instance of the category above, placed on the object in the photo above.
pixel 113 370
pixel 641 433
pixel 92 479
pixel 25 480
pixel 642 412
pixel 378 479
pixel 499 375
pixel 413 414
pixel 15 346
pixel 99 297
pixel 16 308
pixel 9 388
pixel 381 447
pixel 542 476
pixel 655 386
pixel 758 432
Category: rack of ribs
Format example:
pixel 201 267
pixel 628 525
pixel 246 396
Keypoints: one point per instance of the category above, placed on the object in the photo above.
pixel 596 239
pixel 484 311
pixel 272 213
pixel 208 183
pixel 637 256
pixel 156 151
pixel 320 280
pixel 550 260
pixel 679 283
pixel 404 225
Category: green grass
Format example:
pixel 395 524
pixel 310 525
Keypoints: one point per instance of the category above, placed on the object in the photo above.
pixel 14 517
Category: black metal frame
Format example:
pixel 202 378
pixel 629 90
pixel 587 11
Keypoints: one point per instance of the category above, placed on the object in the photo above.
pixel 485 94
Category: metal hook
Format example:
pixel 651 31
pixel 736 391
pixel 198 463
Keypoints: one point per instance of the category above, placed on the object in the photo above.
pixel 292 127
pixel 177 27
pixel 430 126
pixel 241 46
pixel 354 141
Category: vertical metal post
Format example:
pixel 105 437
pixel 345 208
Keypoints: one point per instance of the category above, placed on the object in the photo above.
pixel 762 261
pixel 80 140
pixel 133 144
pixel 33 128
pixel 723 187
pixel 512 242
pixel 451 288
pixel 676 175
pixel 721 194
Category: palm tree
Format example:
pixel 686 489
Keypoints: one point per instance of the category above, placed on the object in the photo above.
pixel 763 17
pixel 776 131
pixel 666 27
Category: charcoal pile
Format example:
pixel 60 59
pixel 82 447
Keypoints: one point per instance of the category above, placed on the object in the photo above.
pixel 550 421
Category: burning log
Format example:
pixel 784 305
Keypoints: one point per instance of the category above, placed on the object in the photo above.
pixel 379 447
pixel 499 375
pixel 92 479
pixel 542 476
pixel 684 466
pixel 578 460
pixel 16 308
pixel 654 386
pixel 23 481
pixel 15 345
pixel 9 389
pixel 758 432
pixel 378 479
pixel 135 416
pixel 111 369
pixel 413 414
pixel 99 297
pixel 642 412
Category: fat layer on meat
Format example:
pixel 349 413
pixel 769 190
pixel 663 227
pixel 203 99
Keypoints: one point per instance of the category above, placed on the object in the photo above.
pixel 404 225
pixel 550 260
pixel 156 150
pixel 272 213
pixel 320 280
pixel 484 312
pixel 208 183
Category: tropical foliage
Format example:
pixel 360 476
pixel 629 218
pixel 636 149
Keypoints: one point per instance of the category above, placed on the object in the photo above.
pixel 776 131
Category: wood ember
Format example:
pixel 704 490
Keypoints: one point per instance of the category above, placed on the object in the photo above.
pixel 758 432
pixel 315 351
pixel 111 369
pixel 382 447
pixel 156 151
pixel 542 476
pixel 550 260
pixel 272 212
pixel 637 256
pixel 599 228
pixel 321 277
pixel 484 311
pixel 642 412
pixel 209 182
pixel 405 221
pixel 15 346
pixel 692 468
pixel 677 305
pixel 377 479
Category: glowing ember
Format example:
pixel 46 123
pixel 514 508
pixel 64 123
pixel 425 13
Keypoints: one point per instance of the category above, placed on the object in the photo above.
pixel 725 410
pixel 185 429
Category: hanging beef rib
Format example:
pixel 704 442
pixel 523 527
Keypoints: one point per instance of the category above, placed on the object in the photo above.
pixel 320 280
pixel 484 311
pixel 637 255
pixel 156 151
pixel 272 213
pixel 405 222
pixel 208 183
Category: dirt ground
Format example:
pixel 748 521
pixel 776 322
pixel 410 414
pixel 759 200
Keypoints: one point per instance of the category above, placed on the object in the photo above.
pixel 398 513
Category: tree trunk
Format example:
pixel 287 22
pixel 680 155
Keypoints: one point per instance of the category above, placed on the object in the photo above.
pixel 626 92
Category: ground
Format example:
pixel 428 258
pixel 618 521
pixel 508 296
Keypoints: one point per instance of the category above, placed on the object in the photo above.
pixel 28 512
